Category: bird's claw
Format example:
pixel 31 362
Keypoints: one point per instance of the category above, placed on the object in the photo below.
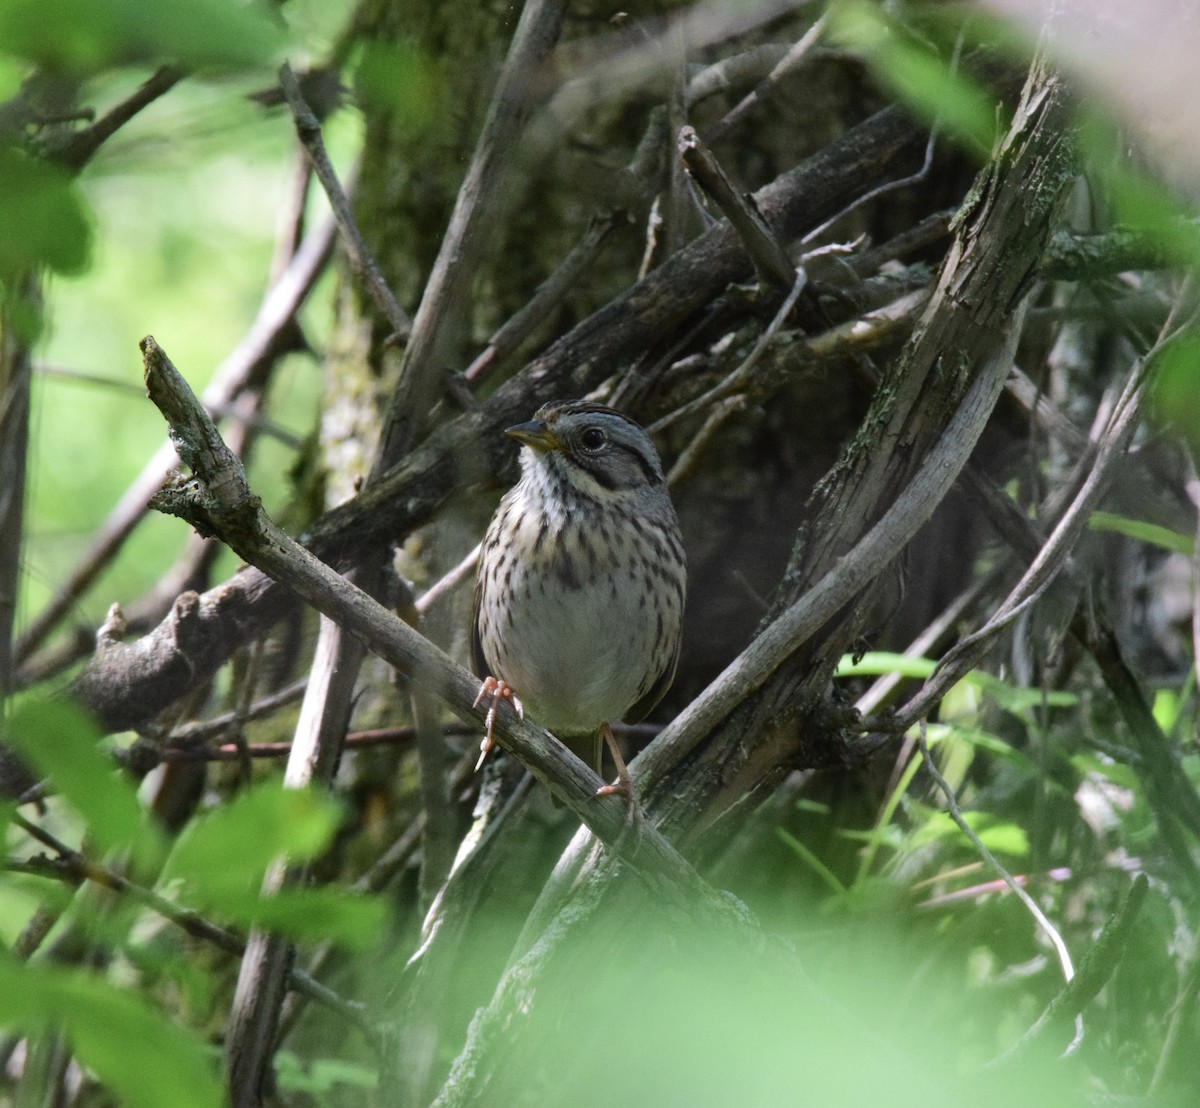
pixel 623 786
pixel 498 690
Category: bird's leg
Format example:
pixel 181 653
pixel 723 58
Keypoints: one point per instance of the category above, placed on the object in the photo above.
pixel 624 784
pixel 498 690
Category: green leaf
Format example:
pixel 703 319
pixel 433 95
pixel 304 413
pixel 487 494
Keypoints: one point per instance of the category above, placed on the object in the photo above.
pixel 327 913
pixel 999 837
pixel 320 1075
pixel 143 1058
pixel 1137 202
pixel 1016 699
pixel 43 219
pixel 922 78
pixel 61 741
pixel 1167 706
pixel 229 848
pixel 86 36
pixel 875 663
pixel 1150 533
pixel 811 860
pixel 1175 388
pixel 222 856
pixel 1011 697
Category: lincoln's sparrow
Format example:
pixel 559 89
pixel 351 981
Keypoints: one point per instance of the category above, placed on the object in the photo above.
pixel 579 595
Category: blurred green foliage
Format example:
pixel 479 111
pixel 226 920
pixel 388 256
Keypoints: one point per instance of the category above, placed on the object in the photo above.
pixel 146 1060
pixel 48 223
pixel 63 745
pixel 217 866
pixel 908 63
pixel 87 36
pixel 917 967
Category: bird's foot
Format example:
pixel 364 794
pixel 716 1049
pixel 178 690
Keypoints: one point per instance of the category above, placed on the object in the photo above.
pixel 497 690
pixel 623 786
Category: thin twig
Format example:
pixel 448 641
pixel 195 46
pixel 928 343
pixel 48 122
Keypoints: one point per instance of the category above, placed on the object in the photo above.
pixel 940 626
pixel 933 228
pixel 449 582
pixel 1051 559
pixel 727 73
pixel 880 190
pixel 676 202
pixel 734 380
pixel 16 376
pixel 355 740
pixel 1098 965
pixel 83 145
pixel 764 89
pixel 546 297
pixel 308 128
pixel 691 455
pixel 148 755
pixel 903 182
pixel 191 734
pixel 1051 932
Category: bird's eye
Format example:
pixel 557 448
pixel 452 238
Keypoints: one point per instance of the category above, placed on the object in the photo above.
pixel 593 438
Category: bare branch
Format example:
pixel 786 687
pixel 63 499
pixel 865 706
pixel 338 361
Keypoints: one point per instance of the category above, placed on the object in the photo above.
pixel 544 299
pixel 83 145
pixel 308 128
pixel 1050 931
pixel 1050 561
pixel 763 90
pixel 1098 966
pixel 771 262
pixel 16 374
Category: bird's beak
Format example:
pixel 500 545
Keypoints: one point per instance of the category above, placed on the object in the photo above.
pixel 536 434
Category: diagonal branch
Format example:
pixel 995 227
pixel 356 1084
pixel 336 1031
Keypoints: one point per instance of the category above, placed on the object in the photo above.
pixel 308 128
pixel 771 262
pixel 843 583
pixel 83 145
